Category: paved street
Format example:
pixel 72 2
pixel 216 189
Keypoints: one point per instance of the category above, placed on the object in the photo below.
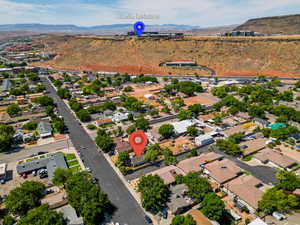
pixel 264 173
pixel 151 168
pixel 21 153
pixel 128 210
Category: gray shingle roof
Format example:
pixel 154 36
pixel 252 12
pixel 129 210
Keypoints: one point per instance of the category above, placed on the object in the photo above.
pixel 52 162
pixel 6 85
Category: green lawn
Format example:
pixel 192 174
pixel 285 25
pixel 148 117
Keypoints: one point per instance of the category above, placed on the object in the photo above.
pixel 31 159
pixel 75 169
pixel 70 157
pixel 247 158
pixel 72 163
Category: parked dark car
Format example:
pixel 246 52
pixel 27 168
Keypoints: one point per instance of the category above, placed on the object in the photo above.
pixel 94 180
pixel 148 219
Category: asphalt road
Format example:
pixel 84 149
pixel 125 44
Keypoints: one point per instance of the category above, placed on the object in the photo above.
pixel 21 153
pixel 264 173
pixel 128 210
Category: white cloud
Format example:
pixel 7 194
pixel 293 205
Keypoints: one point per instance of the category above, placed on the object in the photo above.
pixel 193 12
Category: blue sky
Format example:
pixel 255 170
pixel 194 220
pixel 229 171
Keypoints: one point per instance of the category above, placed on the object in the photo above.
pixel 98 12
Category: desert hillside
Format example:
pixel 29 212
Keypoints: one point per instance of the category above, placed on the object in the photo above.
pixel 277 56
pixel 273 25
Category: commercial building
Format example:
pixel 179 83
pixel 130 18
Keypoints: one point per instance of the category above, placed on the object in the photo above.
pixel 50 162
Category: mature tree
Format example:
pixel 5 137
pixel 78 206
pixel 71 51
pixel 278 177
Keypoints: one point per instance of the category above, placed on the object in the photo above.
pixel 43 215
pixel 183 220
pixel 256 111
pixel 154 193
pixel 31 125
pixel 86 198
pixel 213 207
pixel 236 138
pixel 169 158
pixel 131 129
pixel 63 93
pixel 83 115
pixel 6 137
pixel 9 220
pixel 108 105
pixel 21 199
pixel 13 110
pixel 61 176
pixel 124 158
pixel 192 130
pixel 128 89
pixel 151 155
pixel 142 124
pixel 288 180
pixel 198 186
pixel 275 199
pixel 33 76
pixel 105 142
pixel 229 147
pixel 184 114
pixel 166 130
pixel 132 103
pixel 196 109
pixel 75 106
pixel 44 101
pixel 177 103
pixel 58 125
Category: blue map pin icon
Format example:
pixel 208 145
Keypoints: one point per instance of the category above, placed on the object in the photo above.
pixel 139 27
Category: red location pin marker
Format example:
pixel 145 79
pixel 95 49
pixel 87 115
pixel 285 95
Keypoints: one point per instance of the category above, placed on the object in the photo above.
pixel 138 141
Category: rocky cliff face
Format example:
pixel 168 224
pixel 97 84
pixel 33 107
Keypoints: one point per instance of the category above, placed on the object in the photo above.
pixel 277 56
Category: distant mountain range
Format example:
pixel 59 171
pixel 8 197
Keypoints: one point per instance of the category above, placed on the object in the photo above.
pixel 101 29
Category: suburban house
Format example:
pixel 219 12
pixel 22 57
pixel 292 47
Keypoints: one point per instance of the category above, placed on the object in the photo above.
pixel 257 221
pixel 122 146
pixel 204 140
pixel 119 116
pixel 179 202
pixel 168 173
pixel 180 127
pixel 44 128
pixel 222 171
pixel 261 122
pixel 103 122
pixel 50 162
pixel 197 163
pixel 6 85
pixel 236 190
pixel 275 159
pixel 252 146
